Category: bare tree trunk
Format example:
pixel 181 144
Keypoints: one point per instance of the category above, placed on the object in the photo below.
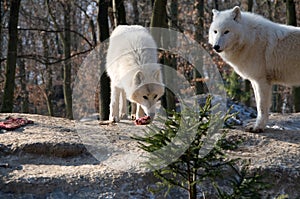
pixel 94 33
pixel 91 23
pixel 1 36
pixel 199 25
pixel 291 12
pixel 48 79
pixel 168 99
pixel 10 69
pixel 135 11
pixel 49 90
pixel 67 62
pixel 24 92
pixel 292 20
pixel 159 19
pixel 104 98
pixel 67 68
pixel 114 8
pixel 159 15
pixel 216 2
pixel 121 12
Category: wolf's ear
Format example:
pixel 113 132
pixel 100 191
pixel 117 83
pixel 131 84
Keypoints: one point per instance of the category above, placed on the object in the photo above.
pixel 215 13
pixel 157 75
pixel 236 14
pixel 138 78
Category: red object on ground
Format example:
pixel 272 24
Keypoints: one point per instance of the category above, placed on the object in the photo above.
pixel 143 120
pixel 12 123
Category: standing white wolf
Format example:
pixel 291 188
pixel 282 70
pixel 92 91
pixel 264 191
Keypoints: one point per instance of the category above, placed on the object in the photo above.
pixel 133 70
pixel 264 52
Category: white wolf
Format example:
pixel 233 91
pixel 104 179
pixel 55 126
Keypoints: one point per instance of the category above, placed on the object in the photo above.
pixel 264 52
pixel 133 70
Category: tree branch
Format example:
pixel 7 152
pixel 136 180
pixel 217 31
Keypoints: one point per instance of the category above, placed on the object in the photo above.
pixel 41 59
pixel 58 31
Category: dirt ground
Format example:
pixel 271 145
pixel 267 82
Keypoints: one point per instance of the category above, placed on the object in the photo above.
pixel 59 158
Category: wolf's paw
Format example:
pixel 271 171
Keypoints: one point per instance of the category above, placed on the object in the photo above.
pixel 114 119
pixel 133 117
pixel 107 122
pixel 123 116
pixel 253 129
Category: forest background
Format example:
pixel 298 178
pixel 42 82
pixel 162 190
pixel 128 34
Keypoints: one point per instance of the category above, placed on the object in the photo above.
pixel 44 42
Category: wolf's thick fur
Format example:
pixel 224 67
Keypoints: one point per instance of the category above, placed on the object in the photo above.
pixel 134 72
pixel 264 52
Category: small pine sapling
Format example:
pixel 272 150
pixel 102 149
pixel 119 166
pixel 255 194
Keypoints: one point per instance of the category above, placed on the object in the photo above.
pixel 189 150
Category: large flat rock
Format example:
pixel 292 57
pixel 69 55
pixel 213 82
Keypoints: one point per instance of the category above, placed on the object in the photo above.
pixel 59 158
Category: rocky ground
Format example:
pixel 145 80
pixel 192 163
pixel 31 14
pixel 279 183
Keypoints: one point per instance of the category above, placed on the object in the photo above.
pixel 59 158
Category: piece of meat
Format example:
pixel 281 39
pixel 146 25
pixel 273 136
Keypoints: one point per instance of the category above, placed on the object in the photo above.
pixel 12 123
pixel 143 120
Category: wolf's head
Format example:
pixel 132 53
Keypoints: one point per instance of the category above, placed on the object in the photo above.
pixel 225 31
pixel 148 91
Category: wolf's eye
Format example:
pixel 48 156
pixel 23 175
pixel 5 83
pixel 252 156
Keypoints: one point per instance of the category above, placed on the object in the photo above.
pixel 215 31
pixel 145 97
pixel 226 32
pixel 155 96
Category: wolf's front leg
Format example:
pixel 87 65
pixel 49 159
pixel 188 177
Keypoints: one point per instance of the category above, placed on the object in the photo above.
pixel 262 92
pixel 114 104
pixel 139 111
pixel 133 110
pixel 124 105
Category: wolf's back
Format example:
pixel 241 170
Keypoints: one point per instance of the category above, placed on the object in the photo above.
pixel 131 48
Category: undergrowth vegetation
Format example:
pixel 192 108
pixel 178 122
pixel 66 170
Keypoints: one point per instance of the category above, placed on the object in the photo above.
pixel 189 152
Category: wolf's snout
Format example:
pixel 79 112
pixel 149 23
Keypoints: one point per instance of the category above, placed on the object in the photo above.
pixel 217 48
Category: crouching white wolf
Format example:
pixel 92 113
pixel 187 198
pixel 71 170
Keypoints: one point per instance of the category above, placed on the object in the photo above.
pixel 264 52
pixel 133 70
